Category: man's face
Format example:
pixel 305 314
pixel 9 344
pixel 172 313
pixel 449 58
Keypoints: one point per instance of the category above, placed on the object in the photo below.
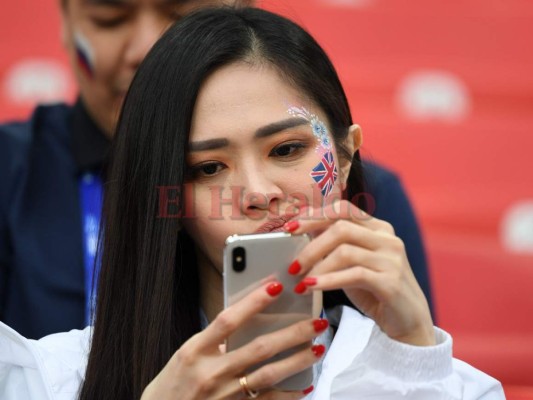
pixel 106 41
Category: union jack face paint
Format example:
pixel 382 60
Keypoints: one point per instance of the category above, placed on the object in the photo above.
pixel 325 172
pixel 84 54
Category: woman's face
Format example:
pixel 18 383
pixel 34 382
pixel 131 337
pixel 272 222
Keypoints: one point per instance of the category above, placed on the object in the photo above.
pixel 258 151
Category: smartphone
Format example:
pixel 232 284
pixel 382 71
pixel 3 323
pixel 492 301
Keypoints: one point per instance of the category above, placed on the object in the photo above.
pixel 249 262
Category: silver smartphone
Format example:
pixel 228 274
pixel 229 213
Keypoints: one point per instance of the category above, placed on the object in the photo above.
pixel 251 261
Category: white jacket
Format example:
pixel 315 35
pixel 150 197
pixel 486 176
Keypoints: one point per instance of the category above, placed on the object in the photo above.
pixel 361 363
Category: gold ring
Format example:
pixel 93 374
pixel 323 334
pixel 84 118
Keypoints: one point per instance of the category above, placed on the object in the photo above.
pixel 251 394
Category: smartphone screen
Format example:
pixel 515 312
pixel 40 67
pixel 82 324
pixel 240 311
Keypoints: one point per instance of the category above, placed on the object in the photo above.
pixel 253 260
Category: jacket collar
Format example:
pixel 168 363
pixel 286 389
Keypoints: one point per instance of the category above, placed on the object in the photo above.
pixel 90 146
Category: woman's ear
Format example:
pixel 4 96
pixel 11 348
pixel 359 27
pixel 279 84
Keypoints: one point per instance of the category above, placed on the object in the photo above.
pixel 353 142
pixel 354 139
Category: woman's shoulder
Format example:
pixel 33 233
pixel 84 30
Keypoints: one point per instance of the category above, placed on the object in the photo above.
pixel 50 368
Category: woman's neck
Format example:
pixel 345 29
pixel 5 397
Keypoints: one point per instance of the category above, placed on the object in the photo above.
pixel 211 294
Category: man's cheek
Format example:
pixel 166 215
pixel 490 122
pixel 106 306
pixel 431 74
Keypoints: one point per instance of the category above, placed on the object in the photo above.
pixel 85 55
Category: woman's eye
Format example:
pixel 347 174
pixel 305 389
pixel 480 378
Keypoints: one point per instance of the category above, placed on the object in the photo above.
pixel 210 169
pixel 205 170
pixel 287 149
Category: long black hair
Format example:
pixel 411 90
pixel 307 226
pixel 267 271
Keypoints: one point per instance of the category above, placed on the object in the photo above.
pixel 148 289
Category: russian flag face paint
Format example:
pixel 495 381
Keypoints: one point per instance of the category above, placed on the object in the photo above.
pixel 84 54
pixel 324 174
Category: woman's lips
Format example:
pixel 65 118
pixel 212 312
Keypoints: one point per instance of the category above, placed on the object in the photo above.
pixel 275 224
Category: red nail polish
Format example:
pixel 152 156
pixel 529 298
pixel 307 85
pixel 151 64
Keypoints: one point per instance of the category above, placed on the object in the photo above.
pixel 274 289
pixel 291 226
pixel 309 281
pixel 295 267
pixel 300 288
pixel 320 324
pixel 309 390
pixel 318 350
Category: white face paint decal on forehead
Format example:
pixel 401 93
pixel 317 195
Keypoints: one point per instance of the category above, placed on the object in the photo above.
pixel 319 128
pixel 324 174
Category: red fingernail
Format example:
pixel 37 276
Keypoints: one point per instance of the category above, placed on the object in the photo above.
pixel 274 289
pixel 291 226
pixel 318 349
pixel 309 281
pixel 309 390
pixel 300 288
pixel 320 324
pixel 295 267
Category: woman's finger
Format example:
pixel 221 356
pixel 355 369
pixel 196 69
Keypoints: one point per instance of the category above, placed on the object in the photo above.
pixel 355 277
pixel 266 346
pixel 318 219
pixel 341 247
pixel 270 374
pixel 346 256
pixel 230 319
pixel 279 395
pixel 343 231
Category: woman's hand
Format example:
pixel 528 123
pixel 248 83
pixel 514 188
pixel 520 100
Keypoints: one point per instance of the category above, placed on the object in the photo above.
pixel 199 370
pixel 361 255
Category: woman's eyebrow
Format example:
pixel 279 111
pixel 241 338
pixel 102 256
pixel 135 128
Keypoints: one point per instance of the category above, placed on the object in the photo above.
pixel 264 131
pixel 279 126
pixel 210 144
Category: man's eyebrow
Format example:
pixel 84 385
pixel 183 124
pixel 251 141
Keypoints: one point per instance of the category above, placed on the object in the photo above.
pixel 117 3
pixel 211 144
pixel 279 126
pixel 112 3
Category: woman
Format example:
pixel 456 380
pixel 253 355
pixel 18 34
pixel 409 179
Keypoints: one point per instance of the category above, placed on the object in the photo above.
pixel 236 122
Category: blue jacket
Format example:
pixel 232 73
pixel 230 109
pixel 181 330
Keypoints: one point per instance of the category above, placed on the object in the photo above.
pixel 42 287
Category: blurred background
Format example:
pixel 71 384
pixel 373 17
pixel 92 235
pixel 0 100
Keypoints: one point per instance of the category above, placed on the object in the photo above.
pixel 444 93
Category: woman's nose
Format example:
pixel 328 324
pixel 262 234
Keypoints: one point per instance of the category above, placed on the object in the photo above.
pixel 260 192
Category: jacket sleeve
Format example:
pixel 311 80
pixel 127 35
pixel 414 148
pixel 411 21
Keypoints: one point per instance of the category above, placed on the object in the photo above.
pixel 20 375
pixel 386 369
pixel 7 149
pixel 51 368
pixel 15 141
pixel 4 255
